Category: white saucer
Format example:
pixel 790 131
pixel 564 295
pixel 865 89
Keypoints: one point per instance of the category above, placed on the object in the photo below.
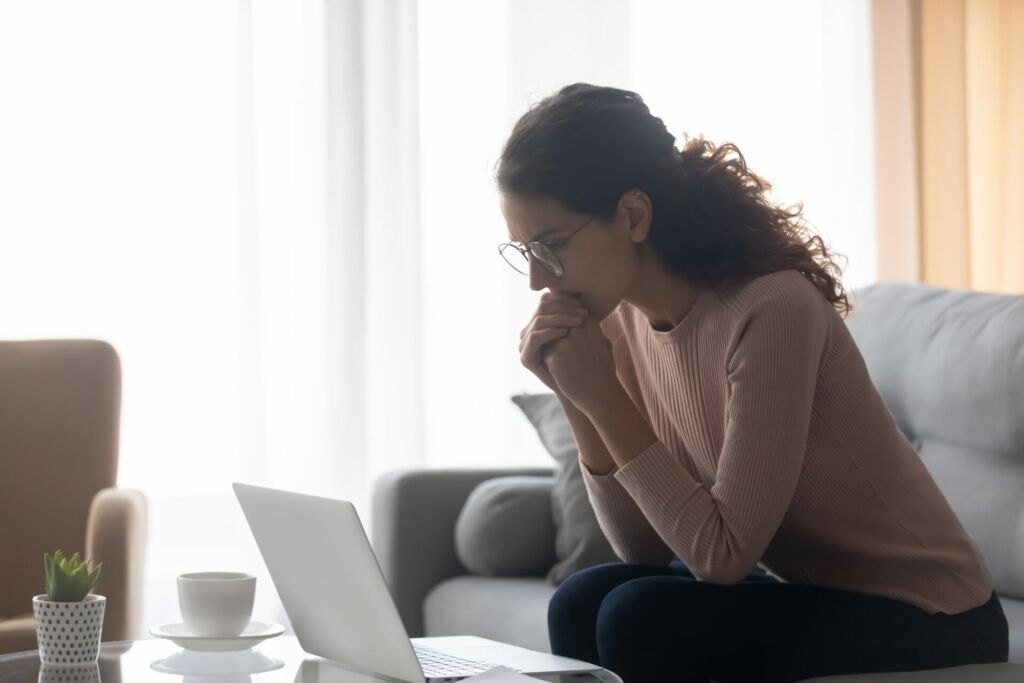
pixel 255 632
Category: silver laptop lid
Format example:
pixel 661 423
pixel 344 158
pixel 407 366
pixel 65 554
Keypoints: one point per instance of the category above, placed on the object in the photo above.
pixel 329 581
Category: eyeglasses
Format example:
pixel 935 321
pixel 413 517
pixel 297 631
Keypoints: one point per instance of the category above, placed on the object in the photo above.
pixel 541 251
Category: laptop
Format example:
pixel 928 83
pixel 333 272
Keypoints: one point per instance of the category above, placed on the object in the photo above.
pixel 335 596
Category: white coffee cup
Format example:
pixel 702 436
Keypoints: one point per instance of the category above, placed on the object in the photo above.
pixel 216 604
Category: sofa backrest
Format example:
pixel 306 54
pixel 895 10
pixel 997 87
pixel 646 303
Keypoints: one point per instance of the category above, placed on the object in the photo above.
pixel 950 366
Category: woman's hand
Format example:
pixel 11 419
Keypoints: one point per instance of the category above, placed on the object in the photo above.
pixel 583 366
pixel 556 315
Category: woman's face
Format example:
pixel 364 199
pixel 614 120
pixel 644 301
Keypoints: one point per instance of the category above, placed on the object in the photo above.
pixel 600 261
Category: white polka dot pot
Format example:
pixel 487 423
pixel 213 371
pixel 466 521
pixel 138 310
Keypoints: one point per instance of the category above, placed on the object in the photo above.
pixel 69 632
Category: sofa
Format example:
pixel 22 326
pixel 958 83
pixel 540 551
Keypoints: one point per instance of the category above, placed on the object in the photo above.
pixel 948 363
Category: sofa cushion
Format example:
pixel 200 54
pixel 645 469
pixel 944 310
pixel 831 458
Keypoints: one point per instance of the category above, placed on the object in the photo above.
pixel 1014 611
pixel 949 366
pixel 505 528
pixel 510 609
pixel 579 541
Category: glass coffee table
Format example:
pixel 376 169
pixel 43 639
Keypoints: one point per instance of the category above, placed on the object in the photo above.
pixel 279 660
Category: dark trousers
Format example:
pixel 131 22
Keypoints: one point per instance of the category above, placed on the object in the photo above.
pixel 660 624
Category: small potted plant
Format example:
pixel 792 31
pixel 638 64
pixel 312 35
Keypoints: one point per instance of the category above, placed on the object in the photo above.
pixel 69 619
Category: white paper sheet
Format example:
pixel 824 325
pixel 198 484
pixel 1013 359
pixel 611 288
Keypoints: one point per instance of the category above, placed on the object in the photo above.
pixel 501 674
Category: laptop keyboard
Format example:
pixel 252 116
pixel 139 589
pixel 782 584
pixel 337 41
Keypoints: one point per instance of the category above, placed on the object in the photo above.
pixel 436 664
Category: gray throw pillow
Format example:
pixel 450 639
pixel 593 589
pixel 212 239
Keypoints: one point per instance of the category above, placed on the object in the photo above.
pixel 579 541
pixel 505 527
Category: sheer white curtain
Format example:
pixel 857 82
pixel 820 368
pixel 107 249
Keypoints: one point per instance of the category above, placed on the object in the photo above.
pixel 282 215
pixel 227 192
pixel 327 160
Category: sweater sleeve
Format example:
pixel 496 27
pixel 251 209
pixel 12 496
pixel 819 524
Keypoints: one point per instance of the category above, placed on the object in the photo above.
pixel 629 533
pixel 772 365
pixel 631 536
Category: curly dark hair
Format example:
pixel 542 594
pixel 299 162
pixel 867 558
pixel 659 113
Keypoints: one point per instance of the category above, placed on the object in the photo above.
pixel 586 145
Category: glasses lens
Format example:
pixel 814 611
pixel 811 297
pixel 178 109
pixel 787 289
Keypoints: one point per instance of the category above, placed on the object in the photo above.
pixel 515 258
pixel 520 261
pixel 545 256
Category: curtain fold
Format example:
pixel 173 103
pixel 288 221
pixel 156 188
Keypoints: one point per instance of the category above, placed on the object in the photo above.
pixel 326 275
pixel 328 238
pixel 994 92
pixel 960 124
pixel 895 106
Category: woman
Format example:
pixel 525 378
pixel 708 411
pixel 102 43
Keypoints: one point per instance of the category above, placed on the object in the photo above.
pixel 693 333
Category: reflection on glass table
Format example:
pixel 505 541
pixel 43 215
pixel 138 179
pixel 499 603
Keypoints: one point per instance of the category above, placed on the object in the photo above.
pixel 280 660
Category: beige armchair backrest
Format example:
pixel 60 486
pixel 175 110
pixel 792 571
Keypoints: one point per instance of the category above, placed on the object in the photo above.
pixel 60 403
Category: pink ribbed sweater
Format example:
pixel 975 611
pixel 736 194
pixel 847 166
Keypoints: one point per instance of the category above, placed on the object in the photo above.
pixel 775 449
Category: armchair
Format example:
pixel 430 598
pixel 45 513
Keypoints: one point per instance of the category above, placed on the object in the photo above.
pixel 60 403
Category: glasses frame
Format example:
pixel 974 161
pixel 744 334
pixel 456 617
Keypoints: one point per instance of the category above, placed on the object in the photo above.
pixel 543 252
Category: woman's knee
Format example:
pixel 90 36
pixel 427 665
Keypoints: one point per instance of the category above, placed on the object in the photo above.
pixel 572 611
pixel 639 609
pixel 585 589
pixel 579 596
pixel 639 627
pixel 628 607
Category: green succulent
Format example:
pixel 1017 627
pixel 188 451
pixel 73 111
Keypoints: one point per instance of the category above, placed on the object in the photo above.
pixel 68 579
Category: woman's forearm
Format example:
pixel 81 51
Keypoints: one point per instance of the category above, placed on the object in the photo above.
pixel 632 537
pixel 624 432
pixel 593 452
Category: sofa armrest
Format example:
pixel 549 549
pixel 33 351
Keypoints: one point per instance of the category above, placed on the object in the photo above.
pixel 413 530
pixel 116 536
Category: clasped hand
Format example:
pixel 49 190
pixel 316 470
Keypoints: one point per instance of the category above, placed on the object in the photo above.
pixel 564 346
